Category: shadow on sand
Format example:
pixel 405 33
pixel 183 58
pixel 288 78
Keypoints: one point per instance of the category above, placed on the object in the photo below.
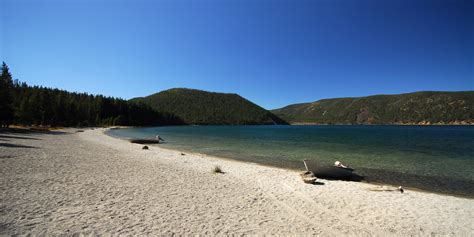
pixel 29 131
pixel 17 137
pixel 15 146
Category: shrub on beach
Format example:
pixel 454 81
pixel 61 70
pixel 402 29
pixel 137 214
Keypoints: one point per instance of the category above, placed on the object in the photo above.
pixel 217 170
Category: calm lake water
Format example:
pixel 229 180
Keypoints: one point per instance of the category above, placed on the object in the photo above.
pixel 434 158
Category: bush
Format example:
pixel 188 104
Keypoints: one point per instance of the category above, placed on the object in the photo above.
pixel 217 170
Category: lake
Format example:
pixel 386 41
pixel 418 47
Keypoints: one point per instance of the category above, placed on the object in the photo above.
pixel 432 158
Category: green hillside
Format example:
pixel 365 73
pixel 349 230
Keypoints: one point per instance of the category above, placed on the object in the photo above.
pixel 209 108
pixel 412 108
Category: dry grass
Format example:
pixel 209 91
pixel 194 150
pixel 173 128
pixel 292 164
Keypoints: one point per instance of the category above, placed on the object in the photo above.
pixel 217 170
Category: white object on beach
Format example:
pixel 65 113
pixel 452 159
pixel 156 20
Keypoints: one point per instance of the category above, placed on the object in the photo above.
pixel 339 164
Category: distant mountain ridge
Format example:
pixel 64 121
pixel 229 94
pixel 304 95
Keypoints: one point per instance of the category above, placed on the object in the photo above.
pixel 209 108
pixel 422 108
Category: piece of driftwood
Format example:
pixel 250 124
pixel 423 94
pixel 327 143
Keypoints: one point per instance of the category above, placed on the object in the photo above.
pixel 310 180
pixel 144 141
pixel 328 171
pixel 308 177
pixel 387 189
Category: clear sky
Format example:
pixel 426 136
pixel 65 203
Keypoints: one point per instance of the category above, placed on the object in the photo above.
pixel 273 52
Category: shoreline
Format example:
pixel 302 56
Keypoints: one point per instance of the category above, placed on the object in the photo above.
pixel 406 188
pixel 375 183
pixel 71 182
pixel 383 177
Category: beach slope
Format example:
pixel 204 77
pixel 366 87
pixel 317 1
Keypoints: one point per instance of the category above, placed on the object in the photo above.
pixel 69 182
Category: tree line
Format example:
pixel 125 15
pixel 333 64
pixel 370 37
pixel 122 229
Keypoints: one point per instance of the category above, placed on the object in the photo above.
pixel 426 107
pixel 39 106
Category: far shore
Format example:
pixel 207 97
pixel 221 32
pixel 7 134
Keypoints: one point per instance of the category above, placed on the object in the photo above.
pixel 391 124
pixel 47 128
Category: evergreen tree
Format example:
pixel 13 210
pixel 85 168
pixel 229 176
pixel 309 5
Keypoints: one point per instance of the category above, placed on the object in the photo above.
pixel 6 89
pixel 33 105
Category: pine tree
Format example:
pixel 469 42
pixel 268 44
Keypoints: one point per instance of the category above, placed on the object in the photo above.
pixel 6 91
pixel 36 105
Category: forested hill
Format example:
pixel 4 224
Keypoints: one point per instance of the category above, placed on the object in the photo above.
pixel 21 104
pixel 412 108
pixel 209 108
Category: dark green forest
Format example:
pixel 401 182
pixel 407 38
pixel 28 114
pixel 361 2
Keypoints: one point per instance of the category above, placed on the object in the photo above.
pixel 412 108
pixel 21 104
pixel 209 108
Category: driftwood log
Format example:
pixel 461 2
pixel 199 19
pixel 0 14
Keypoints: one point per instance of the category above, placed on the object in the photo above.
pixel 308 177
pixel 144 141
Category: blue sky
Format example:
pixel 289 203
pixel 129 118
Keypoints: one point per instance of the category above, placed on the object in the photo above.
pixel 274 53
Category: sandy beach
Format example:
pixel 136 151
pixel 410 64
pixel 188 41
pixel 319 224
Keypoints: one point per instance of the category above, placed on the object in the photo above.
pixel 69 182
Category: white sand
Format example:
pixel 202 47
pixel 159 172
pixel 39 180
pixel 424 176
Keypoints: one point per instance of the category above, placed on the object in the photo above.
pixel 90 183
